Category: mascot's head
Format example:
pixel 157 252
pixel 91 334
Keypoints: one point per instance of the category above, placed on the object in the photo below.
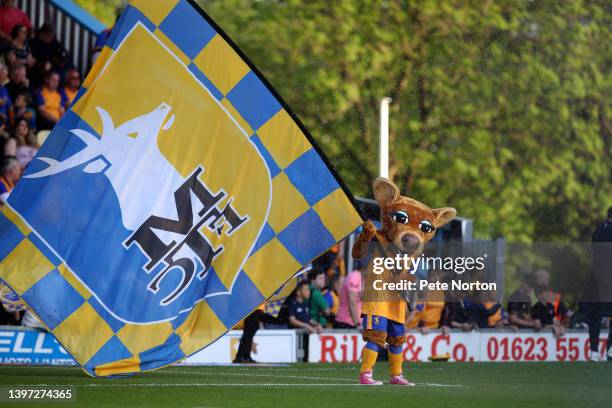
pixel 408 223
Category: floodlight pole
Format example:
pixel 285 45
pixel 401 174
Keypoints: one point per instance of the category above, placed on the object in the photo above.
pixel 383 151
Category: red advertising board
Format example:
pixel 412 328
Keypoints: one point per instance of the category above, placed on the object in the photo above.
pixel 474 346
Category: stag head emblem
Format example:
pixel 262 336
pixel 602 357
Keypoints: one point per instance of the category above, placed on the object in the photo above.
pixel 115 155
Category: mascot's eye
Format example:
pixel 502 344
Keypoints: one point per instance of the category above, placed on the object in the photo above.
pixel 400 217
pixel 426 226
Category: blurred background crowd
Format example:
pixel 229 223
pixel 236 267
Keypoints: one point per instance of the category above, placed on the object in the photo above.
pixel 38 82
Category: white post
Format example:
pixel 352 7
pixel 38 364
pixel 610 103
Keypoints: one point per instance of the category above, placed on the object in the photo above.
pixel 384 137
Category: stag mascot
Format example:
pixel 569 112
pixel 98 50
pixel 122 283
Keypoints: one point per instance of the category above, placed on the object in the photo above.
pixel 407 225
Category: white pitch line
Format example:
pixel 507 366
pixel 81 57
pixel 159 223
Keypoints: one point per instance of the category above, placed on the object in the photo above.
pixel 248 367
pixel 299 377
pixel 438 385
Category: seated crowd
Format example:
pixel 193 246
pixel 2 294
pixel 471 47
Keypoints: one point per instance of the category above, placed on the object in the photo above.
pixel 37 84
pixel 330 298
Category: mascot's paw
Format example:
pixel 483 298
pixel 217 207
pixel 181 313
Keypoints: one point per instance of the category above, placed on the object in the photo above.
pixel 365 378
pixel 400 380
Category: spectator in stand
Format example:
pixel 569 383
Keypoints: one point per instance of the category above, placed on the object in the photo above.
pixel 5 105
pixel 72 83
pixel 319 309
pixel 497 317
pixel 481 313
pixel 299 316
pixel 23 143
pixel 456 314
pixel 20 49
pixel 349 309
pixel 426 315
pixel 49 53
pixel 485 311
pixel 10 173
pixel 51 103
pixel 10 16
pixel 298 311
pixel 541 279
pixel 22 108
pixel 332 262
pixel 519 306
pixel 4 79
pixel 544 311
pixel 19 82
pixel 331 295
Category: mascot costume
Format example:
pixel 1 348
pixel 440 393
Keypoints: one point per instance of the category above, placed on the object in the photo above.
pixel 407 225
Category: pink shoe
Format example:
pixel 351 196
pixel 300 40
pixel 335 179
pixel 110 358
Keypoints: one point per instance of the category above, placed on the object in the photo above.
pixel 365 378
pixel 400 380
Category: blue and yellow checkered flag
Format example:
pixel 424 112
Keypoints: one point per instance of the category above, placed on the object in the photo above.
pixel 175 196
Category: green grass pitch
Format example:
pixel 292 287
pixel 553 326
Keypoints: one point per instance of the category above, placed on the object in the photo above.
pixel 471 385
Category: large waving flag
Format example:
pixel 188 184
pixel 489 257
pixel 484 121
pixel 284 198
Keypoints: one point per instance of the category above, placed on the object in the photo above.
pixel 175 196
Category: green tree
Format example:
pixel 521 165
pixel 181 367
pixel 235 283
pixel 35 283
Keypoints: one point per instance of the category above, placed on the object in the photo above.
pixel 105 10
pixel 500 108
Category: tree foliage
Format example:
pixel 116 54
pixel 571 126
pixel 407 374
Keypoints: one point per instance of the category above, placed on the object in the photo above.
pixel 500 108
pixel 105 10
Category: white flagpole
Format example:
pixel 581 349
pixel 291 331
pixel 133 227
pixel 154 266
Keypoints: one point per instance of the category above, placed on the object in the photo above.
pixel 384 137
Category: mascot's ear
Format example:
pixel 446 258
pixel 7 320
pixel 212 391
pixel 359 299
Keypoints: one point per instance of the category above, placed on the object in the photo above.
pixel 385 191
pixel 443 216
